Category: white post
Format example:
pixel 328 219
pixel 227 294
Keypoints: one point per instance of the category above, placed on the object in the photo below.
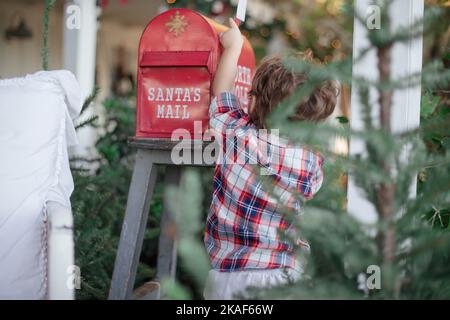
pixel 406 60
pixel 80 40
pixel 63 275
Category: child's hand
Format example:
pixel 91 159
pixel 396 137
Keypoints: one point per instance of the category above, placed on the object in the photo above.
pixel 232 38
pixel 232 42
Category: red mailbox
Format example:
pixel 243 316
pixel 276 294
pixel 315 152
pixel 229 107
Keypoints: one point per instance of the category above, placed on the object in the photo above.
pixel 178 56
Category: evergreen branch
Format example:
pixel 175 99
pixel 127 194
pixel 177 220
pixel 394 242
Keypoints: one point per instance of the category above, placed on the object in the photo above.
pixel 89 121
pixel 435 164
pixel 438 124
pixel 84 159
pixel 441 240
pixel 384 37
pixel 49 4
pixel 363 92
pixel 362 53
pixel 362 18
pixel 103 202
pixel 433 75
pixel 79 169
pixel 89 99
pixel 432 18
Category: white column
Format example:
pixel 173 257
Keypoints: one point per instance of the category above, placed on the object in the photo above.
pixel 80 40
pixel 63 275
pixel 406 59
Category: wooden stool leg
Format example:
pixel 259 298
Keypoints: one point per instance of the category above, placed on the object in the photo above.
pixel 133 228
pixel 167 251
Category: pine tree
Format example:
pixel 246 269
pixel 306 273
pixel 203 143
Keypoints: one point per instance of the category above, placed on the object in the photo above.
pixel 411 249
pixel 99 200
pixel 411 252
pixel 410 243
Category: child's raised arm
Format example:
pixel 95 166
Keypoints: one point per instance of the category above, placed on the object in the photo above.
pixel 232 42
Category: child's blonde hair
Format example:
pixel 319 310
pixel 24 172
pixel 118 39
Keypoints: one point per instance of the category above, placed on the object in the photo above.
pixel 273 82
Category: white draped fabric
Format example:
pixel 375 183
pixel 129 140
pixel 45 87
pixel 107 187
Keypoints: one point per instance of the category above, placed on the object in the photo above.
pixel 36 128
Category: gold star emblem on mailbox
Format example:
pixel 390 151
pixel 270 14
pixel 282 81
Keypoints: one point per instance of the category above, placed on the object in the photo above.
pixel 177 24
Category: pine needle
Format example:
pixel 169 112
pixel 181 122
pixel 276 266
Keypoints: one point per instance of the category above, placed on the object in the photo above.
pixel 89 99
pixel 87 122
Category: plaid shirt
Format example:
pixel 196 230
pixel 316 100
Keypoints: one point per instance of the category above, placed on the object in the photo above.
pixel 243 225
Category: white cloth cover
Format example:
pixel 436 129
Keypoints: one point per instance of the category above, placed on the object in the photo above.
pixel 36 128
pixel 234 285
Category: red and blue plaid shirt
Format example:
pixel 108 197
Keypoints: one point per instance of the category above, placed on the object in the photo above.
pixel 244 220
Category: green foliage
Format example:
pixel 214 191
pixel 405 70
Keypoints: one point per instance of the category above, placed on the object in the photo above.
pixel 192 253
pixel 410 242
pixel 99 201
pixel 342 247
pixel 49 4
pixel 317 19
pixel 435 114
pixel 435 110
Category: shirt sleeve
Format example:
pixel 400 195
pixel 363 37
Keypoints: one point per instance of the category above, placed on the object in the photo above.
pixel 298 169
pixel 310 174
pixel 226 112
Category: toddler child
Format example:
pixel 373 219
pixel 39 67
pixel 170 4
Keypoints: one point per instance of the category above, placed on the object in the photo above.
pixel 244 221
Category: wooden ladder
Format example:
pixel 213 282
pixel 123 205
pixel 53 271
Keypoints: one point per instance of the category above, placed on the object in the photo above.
pixel 151 153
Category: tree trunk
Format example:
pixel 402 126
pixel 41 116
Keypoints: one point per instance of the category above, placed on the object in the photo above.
pixel 385 192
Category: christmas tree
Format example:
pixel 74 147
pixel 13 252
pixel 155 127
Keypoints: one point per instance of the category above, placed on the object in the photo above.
pixel 411 249
pixel 406 253
pixel 100 195
pixel 409 244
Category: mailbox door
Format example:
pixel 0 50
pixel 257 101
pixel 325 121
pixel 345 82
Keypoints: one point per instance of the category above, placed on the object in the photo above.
pixel 173 93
